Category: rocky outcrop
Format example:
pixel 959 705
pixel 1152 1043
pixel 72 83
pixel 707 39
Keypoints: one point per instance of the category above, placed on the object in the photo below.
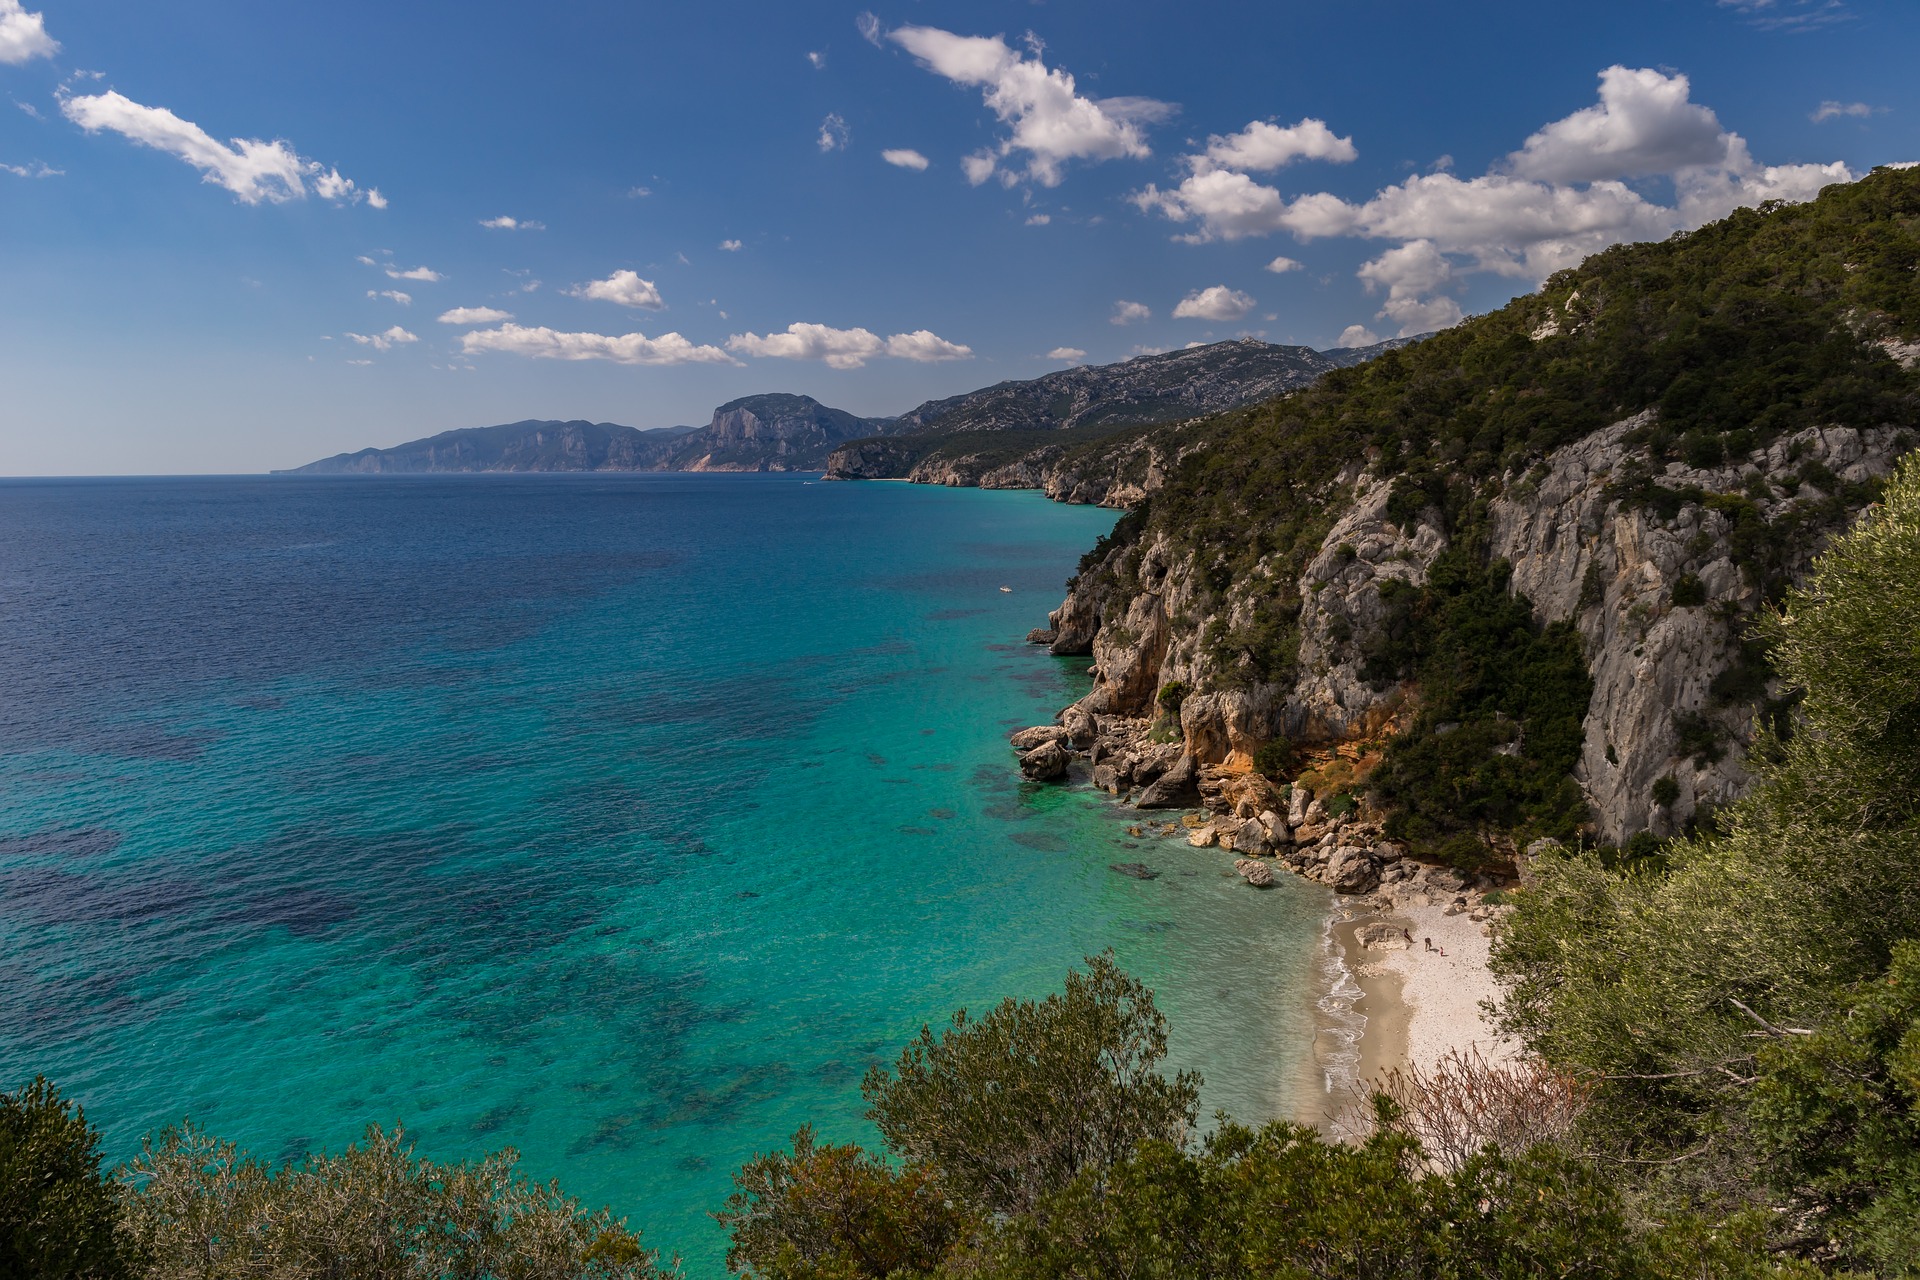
pixel 1663 604
pixel 769 433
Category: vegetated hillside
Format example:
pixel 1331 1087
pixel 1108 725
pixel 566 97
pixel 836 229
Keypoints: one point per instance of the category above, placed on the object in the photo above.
pixel 1028 435
pixel 1516 565
pixel 532 445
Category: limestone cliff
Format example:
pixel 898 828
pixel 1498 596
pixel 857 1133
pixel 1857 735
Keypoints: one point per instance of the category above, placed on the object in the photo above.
pixel 1311 584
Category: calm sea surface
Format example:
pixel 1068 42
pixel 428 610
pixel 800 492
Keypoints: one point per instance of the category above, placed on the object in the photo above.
pixel 623 820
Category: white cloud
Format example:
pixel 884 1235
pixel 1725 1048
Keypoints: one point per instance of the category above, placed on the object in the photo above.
pixel 251 169
pixel 834 132
pixel 396 336
pixel 623 287
pixel 360 362
pixel 23 35
pixel 904 158
pixel 869 28
pixel 730 246
pixel 1039 219
pixel 1559 198
pixel 630 348
pixel 505 223
pixel 474 315
pixel 1280 266
pixel 1831 110
pixel 426 275
pixel 394 295
pixel 38 169
pixel 1072 355
pixel 639 193
pixel 1356 335
pixel 1125 312
pixel 1262 146
pixel 1644 123
pixel 818 60
pixel 29 108
pixel 846 348
pixel 1050 122
pixel 1215 303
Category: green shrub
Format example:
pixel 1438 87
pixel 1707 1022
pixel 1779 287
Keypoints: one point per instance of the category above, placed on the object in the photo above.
pixel 59 1214
pixel 1171 695
pixel 1688 591
pixel 1275 759
pixel 1666 790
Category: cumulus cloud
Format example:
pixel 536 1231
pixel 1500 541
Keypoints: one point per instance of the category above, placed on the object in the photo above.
pixel 730 246
pixel 23 35
pixel 1125 312
pixel 1562 196
pixel 1356 335
pixel 251 169
pixel 1039 219
pixel 505 223
pixel 1645 123
pixel 904 158
pixel 846 348
pixel 1281 265
pixel 834 132
pixel 392 295
pixel 1262 146
pixel 630 348
pixel 1831 110
pixel 1215 303
pixel 817 60
pixel 1049 121
pixel 623 287
pixel 1072 355
pixel 396 336
pixel 37 169
pixel 474 315
pixel 426 275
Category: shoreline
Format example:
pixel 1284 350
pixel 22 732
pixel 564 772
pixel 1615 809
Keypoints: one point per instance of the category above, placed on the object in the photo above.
pixel 1383 1005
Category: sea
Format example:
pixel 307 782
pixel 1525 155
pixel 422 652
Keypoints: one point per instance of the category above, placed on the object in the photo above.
pixel 623 820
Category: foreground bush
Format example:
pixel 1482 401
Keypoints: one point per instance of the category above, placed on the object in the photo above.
pixel 201 1208
pixel 59 1215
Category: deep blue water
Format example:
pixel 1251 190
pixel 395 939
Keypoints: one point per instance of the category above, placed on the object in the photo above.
pixel 623 820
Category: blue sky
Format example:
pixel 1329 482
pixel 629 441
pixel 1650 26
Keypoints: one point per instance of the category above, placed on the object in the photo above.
pixel 207 209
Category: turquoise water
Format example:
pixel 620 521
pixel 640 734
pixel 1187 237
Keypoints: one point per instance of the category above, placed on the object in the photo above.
pixel 622 820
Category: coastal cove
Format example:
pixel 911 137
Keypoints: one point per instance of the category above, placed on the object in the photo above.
pixel 622 819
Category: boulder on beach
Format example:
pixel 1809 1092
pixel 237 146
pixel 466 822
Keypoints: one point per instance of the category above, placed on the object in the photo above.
pixel 1351 869
pixel 1261 876
pixel 1080 725
pixel 1045 763
pixel 1381 936
pixel 1177 788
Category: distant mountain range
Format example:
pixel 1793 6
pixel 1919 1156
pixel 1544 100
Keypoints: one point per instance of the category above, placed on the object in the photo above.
pixel 781 432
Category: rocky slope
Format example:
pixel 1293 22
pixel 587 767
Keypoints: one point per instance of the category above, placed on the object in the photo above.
pixel 533 445
pixel 1080 433
pixel 775 432
pixel 1313 603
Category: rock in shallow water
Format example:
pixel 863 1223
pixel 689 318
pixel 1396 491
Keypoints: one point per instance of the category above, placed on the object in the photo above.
pixel 1260 876
pixel 1045 763
pixel 1039 735
pixel 1139 871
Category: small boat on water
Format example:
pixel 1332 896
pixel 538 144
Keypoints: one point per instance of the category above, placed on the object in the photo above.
pixel 1008 590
